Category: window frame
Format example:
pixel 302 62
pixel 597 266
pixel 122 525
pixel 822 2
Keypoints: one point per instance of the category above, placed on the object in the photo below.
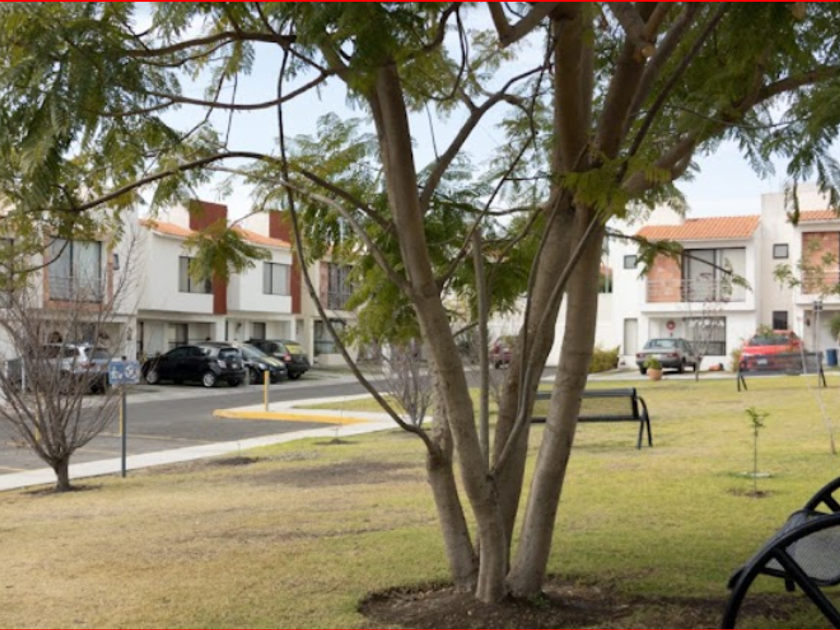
pixel 777 251
pixel 186 284
pixel 65 288
pixel 269 279
pixel 627 261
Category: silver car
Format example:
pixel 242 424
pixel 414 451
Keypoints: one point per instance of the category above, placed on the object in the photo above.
pixel 671 352
pixel 73 361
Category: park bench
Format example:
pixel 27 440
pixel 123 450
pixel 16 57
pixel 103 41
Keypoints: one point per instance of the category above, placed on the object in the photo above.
pixel 804 553
pixel 791 363
pixel 605 405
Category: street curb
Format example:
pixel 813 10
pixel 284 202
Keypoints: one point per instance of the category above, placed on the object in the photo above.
pixel 286 417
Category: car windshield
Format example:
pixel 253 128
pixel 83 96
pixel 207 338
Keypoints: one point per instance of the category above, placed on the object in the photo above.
pixel 293 347
pixel 770 340
pixel 99 353
pixel 250 352
pixel 661 343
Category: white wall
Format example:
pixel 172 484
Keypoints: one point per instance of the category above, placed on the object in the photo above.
pixel 245 290
pixel 160 285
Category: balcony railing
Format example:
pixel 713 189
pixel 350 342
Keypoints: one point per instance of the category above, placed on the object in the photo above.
pixel 678 291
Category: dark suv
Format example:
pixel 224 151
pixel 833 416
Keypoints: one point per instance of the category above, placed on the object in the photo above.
pixel 289 352
pixel 207 362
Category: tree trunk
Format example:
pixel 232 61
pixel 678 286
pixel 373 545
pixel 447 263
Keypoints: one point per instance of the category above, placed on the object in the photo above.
pixel 446 367
pixel 456 534
pixel 540 340
pixel 529 567
pixel 62 474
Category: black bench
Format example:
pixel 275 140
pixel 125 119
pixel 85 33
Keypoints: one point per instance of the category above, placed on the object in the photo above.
pixel 804 553
pixel 604 405
pixel 791 363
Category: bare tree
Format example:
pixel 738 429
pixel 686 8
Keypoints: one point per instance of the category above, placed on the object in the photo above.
pixel 61 335
pixel 407 379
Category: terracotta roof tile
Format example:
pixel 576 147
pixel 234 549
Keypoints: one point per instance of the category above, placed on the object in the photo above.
pixel 818 215
pixel 170 229
pixel 260 239
pixel 712 229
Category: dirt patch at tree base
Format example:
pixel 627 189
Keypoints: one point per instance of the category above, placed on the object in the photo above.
pixel 564 605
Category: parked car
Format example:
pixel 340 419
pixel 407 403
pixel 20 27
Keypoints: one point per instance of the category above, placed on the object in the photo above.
pixel 288 351
pixel 74 362
pixel 759 350
pixel 671 352
pixel 258 362
pixel 207 363
pixel 500 352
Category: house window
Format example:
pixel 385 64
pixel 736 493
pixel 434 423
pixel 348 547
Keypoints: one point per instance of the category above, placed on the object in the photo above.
pixel 605 280
pixel 75 270
pixel 707 335
pixel 709 275
pixel 339 288
pixel 186 284
pixel 258 330
pixel 275 279
pixel 630 261
pixel 780 320
pixel 780 251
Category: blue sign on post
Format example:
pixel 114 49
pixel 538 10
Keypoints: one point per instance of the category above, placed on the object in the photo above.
pixel 124 372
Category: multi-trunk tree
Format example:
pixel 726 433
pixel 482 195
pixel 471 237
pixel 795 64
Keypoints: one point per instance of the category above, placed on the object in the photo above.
pixel 602 106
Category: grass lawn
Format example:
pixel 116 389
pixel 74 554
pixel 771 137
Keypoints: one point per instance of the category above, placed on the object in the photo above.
pixel 294 536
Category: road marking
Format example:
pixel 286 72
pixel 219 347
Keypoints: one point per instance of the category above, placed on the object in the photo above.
pixel 285 416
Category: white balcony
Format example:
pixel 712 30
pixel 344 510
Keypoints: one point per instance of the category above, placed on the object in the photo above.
pixel 671 292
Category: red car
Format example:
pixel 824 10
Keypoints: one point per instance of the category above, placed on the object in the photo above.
pixel 759 351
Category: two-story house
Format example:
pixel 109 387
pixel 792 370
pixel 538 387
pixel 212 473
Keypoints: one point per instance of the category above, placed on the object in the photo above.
pixel 176 308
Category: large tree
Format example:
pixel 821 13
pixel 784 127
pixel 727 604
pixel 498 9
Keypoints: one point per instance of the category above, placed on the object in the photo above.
pixel 605 104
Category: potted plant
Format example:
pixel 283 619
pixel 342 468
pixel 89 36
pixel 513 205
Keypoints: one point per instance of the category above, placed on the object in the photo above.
pixel 654 368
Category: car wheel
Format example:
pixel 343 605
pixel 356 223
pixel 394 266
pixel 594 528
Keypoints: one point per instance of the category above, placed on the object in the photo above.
pixel 295 376
pixel 681 368
pixel 235 382
pixel 643 371
pixel 209 379
pixel 254 377
pixel 152 376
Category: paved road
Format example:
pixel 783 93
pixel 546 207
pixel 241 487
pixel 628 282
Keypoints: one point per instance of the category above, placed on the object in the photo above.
pixel 167 416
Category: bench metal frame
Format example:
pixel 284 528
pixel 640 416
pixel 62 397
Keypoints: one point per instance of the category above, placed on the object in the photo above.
pixel 638 407
pixel 777 557
pixel 805 363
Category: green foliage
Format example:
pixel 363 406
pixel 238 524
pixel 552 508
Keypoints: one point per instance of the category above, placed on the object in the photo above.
pixel 220 250
pixel 652 363
pixel 603 360
pixel 756 419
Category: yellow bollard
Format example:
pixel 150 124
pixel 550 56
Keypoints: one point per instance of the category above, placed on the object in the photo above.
pixel 266 380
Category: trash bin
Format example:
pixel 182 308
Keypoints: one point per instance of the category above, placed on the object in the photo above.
pixel 831 357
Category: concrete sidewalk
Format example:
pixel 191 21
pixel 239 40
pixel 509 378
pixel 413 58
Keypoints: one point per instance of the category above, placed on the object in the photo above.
pixel 336 423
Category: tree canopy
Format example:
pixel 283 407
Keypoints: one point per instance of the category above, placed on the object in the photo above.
pixel 603 106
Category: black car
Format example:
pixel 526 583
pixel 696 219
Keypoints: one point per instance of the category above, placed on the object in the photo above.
pixel 289 352
pixel 207 363
pixel 258 362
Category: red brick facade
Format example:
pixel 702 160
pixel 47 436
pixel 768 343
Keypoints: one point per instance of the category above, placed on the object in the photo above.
pixel 664 283
pixel 203 214
pixel 279 226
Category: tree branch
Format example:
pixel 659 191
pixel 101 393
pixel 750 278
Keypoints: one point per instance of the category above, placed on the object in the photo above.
pixel 508 34
pixel 634 27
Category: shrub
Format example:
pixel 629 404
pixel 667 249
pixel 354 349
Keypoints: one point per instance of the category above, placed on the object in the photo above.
pixel 603 360
pixel 736 359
